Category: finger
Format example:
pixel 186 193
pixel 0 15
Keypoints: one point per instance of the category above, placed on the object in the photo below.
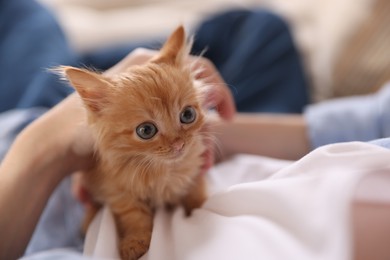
pixel 208 154
pixel 224 103
pixel 219 95
pixel 79 191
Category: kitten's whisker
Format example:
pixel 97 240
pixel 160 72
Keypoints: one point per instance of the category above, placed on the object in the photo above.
pixel 216 146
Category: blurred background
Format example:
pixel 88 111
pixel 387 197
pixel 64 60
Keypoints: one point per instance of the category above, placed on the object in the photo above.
pixel 345 44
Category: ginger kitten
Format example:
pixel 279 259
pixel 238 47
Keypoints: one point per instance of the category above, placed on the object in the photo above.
pixel 147 123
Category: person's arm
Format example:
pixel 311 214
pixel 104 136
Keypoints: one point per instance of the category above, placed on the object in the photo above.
pixel 272 135
pixel 49 149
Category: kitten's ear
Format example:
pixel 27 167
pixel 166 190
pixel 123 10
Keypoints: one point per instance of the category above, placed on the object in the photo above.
pixel 92 87
pixel 175 48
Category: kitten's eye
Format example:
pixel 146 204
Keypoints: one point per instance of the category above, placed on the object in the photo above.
pixel 188 115
pixel 146 130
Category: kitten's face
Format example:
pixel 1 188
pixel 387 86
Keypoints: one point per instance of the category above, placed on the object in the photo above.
pixel 152 109
pixel 155 111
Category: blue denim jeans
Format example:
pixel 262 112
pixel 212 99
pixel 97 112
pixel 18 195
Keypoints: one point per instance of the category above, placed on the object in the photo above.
pixel 253 50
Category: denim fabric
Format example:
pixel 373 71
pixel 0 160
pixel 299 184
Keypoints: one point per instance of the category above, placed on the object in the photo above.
pixel 31 42
pixel 253 50
pixel 255 54
pixel 60 223
pixel 12 122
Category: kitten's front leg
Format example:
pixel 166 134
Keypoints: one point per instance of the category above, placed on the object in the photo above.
pixel 134 222
pixel 196 196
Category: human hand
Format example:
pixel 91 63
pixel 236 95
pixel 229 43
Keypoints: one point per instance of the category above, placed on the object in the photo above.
pixel 217 96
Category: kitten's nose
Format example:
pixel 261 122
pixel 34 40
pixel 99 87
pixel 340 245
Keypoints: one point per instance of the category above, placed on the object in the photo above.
pixel 178 146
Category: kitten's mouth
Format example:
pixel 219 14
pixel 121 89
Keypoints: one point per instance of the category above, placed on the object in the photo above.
pixel 176 155
pixel 177 151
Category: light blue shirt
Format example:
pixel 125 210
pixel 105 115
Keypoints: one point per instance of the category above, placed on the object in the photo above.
pixel 358 118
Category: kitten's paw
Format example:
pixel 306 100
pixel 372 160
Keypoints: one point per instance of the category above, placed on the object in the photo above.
pixel 193 202
pixel 189 208
pixel 132 248
pixel 170 207
pixel 196 197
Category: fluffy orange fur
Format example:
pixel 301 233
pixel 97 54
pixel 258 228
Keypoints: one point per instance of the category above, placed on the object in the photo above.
pixel 134 176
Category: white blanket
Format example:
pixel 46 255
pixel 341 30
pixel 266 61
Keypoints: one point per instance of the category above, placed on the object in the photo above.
pixel 262 209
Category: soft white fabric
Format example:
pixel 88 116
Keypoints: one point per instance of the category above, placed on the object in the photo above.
pixel 263 209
